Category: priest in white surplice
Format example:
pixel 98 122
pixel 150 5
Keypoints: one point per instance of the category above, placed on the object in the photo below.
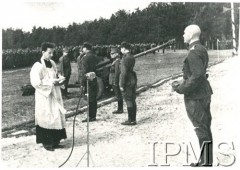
pixel 49 111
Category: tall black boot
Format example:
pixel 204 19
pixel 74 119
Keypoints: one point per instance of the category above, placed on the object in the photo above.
pixel 92 111
pixel 130 117
pixel 120 108
pixel 207 153
pixel 134 112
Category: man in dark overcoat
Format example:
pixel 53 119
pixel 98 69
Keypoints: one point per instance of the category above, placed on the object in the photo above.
pixel 88 64
pixel 114 78
pixel 65 69
pixel 197 93
pixel 79 65
pixel 128 83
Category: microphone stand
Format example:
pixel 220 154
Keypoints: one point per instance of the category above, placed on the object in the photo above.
pixel 88 150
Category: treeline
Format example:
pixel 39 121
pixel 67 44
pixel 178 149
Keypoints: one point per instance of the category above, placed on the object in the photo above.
pixel 157 23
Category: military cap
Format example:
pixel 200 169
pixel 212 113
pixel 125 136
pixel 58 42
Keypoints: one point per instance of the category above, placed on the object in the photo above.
pixel 126 45
pixel 114 50
pixel 87 45
pixel 65 50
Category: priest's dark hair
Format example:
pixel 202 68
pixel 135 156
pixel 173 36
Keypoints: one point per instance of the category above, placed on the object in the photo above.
pixel 46 45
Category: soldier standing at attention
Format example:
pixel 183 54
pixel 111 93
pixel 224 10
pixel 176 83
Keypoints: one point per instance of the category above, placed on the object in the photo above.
pixel 79 61
pixel 128 83
pixel 88 64
pixel 114 78
pixel 197 93
pixel 65 69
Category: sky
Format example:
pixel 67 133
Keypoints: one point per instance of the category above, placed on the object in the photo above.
pixel 24 14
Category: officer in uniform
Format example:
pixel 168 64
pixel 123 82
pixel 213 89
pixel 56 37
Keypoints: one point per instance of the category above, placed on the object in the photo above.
pixel 128 83
pixel 88 64
pixel 79 64
pixel 197 93
pixel 65 69
pixel 114 78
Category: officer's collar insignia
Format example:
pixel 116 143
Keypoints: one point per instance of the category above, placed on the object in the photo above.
pixel 192 48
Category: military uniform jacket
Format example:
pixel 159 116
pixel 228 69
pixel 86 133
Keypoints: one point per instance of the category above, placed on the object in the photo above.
pixel 88 64
pixel 195 84
pixel 114 72
pixel 79 66
pixel 65 66
pixel 79 61
pixel 128 77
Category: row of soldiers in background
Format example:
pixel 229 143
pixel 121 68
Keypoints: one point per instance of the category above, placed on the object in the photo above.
pixel 122 78
pixel 17 58
pixel 103 51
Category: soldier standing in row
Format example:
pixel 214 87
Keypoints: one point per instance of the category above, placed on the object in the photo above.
pixel 114 78
pixel 79 64
pixel 197 93
pixel 65 69
pixel 88 64
pixel 128 83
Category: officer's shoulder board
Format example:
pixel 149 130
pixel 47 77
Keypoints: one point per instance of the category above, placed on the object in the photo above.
pixel 197 46
pixel 193 47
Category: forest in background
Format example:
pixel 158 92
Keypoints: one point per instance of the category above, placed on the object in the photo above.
pixel 157 23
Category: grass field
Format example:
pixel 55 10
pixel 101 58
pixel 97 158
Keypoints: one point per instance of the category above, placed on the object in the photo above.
pixel 150 68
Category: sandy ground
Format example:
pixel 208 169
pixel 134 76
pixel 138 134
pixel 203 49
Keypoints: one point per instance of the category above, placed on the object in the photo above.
pixel 161 118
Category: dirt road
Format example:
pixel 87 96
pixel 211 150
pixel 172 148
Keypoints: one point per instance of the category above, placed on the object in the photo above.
pixel 161 118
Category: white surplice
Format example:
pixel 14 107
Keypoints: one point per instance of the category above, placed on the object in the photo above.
pixel 49 110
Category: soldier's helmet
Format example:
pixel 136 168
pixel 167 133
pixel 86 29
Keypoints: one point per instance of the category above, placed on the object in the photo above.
pixel 126 45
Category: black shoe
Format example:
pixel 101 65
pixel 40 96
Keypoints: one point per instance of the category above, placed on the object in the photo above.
pixel 200 165
pixel 194 164
pixel 117 112
pixel 129 123
pixel 90 120
pixel 58 146
pixel 48 147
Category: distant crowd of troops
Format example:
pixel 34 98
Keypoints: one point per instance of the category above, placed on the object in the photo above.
pixel 17 58
pixel 103 51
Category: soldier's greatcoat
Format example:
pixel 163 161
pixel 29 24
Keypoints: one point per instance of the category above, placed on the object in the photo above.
pixel 79 66
pixel 197 97
pixel 195 84
pixel 114 78
pixel 65 70
pixel 128 79
pixel 114 73
pixel 88 64
pixel 65 66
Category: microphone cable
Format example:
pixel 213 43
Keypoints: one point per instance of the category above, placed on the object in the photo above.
pixel 81 92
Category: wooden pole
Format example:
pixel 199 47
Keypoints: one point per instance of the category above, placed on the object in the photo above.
pixel 233 30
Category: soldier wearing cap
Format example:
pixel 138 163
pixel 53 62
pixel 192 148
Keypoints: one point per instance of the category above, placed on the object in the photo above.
pixel 128 83
pixel 88 64
pixel 197 92
pixel 65 69
pixel 114 78
pixel 79 64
